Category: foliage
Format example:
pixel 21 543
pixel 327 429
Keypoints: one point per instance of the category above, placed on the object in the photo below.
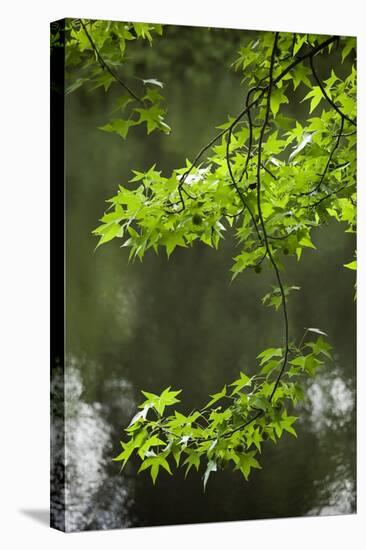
pixel 94 52
pixel 267 178
pixel 232 426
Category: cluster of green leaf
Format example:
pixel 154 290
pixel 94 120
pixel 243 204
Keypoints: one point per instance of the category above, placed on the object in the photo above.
pixel 268 178
pixel 232 427
pixel 200 202
pixel 95 54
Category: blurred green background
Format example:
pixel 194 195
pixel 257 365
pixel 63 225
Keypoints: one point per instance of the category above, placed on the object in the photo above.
pixel 181 323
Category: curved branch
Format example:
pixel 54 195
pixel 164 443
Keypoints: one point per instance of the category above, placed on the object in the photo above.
pixel 268 248
pixel 242 113
pixel 105 65
pixel 318 185
pixel 326 96
pixel 268 90
pixel 245 170
pixel 335 192
pixel 245 204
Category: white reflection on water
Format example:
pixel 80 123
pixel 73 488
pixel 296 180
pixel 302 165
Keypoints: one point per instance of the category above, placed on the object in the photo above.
pixel 331 402
pixel 99 497
pixel 340 492
pixel 330 407
pixel 94 499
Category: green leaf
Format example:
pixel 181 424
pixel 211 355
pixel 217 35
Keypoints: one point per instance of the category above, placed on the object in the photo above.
pixel 75 85
pixel 299 42
pixel 109 232
pixel 277 98
pixel 254 437
pixel 143 30
pixel 172 240
pixel 179 420
pixel 260 402
pixel 239 384
pixel 320 347
pixel 122 102
pixel 300 75
pixel 268 353
pixel 105 80
pixel 270 366
pixel 273 145
pixel 176 451
pixel 245 462
pixel 136 440
pixel 351 265
pixel 193 459
pixel 284 423
pixel 153 116
pixel 350 45
pixel 155 462
pixel 118 126
pixel 287 425
pixel 153 441
pixel 159 402
pixel 331 80
pixel 216 397
pixel 125 454
pixel 316 95
pixel 308 363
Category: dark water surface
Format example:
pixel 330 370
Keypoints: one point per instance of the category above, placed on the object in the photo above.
pixel 181 323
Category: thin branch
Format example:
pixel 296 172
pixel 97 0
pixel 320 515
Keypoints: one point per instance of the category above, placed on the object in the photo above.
pixel 318 185
pixel 335 192
pixel 347 135
pixel 242 113
pixel 302 58
pixel 269 171
pixel 266 237
pixel 245 204
pixel 262 258
pixel 268 248
pixel 282 237
pixel 105 65
pixel 246 110
pixel 342 165
pixel 234 215
pixel 326 96
pixel 188 194
pixel 293 43
pixel 245 170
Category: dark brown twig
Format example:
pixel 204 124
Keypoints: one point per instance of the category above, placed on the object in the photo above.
pixel 318 185
pixel 242 113
pixel 105 65
pixel 326 96
pixel 264 231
